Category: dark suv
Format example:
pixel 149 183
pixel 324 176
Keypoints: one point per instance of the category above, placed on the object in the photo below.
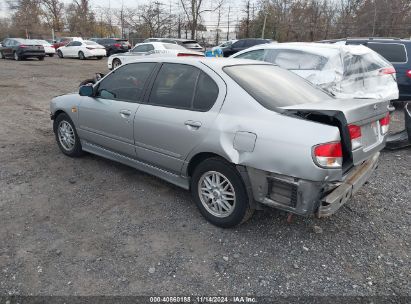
pixel 19 49
pixel 114 45
pixel 242 44
pixel 396 51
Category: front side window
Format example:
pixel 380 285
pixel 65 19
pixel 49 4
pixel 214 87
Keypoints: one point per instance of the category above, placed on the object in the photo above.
pixel 254 55
pixel 70 44
pixel 273 86
pixel 126 83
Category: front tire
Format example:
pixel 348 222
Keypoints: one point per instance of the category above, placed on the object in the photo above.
pixel 60 54
pixel 116 63
pixel 81 55
pixel 220 193
pixel 66 136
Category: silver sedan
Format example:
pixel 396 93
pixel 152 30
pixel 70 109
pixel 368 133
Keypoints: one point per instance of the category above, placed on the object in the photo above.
pixel 239 134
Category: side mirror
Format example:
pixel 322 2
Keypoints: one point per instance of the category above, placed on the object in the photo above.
pixel 86 90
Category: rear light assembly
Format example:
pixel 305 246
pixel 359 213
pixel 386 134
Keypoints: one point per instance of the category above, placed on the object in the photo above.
pixel 355 136
pixel 22 46
pixel 189 55
pixel 90 48
pixel 117 45
pixel 408 73
pixel 385 124
pixel 328 155
pixel 387 71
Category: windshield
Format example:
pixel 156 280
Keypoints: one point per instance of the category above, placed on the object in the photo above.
pixel 275 87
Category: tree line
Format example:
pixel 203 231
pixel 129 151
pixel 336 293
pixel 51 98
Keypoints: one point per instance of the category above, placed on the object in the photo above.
pixel 280 20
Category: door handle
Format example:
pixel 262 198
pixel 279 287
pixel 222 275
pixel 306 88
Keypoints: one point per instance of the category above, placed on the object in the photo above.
pixel 193 124
pixel 125 113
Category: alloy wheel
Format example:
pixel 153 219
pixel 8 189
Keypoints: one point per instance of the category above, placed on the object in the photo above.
pixel 217 194
pixel 66 135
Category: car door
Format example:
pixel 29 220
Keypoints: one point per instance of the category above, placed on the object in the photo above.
pixel 68 50
pixel 7 51
pixel 77 46
pixel 176 117
pixel 107 119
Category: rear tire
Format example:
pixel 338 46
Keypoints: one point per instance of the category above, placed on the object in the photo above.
pixel 60 54
pixel 66 136
pixel 51 55
pixel 220 194
pixel 99 57
pixel 81 55
pixel 116 63
pixel 41 58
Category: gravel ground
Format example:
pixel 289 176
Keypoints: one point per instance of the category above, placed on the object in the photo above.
pixel 90 226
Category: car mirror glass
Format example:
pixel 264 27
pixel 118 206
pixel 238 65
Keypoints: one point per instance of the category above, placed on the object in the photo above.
pixel 86 90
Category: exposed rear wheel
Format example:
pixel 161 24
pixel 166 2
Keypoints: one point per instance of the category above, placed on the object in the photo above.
pixel 81 55
pixel 66 136
pixel 116 63
pixel 220 193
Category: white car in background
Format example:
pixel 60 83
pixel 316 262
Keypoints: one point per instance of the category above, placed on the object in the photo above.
pixel 345 71
pixel 82 49
pixel 153 49
pixel 48 48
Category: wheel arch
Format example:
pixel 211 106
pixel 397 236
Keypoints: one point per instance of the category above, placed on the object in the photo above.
pixel 55 115
pixel 200 157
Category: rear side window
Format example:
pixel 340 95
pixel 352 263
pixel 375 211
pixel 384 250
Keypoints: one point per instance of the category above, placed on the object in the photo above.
pixel 126 83
pixel 206 93
pixel 296 60
pixel 183 87
pixel 274 87
pixel 393 52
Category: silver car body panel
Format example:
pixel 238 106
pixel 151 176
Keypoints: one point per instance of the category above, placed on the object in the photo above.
pixel 162 141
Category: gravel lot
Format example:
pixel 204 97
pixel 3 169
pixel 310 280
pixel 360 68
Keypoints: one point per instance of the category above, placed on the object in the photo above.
pixel 90 226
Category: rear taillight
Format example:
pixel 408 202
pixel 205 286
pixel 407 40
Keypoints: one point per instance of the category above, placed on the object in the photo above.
pixel 22 46
pixel 328 155
pixel 408 73
pixel 188 55
pixel 385 124
pixel 117 45
pixel 355 136
pixel 387 71
pixel 89 48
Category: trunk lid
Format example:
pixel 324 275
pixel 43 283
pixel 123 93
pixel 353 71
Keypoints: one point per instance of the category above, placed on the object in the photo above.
pixel 364 113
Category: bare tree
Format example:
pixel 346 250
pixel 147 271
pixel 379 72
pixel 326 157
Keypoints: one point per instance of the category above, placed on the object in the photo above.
pixel 53 12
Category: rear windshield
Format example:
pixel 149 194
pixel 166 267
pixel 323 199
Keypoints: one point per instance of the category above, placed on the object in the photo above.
pixel 190 42
pixel 90 43
pixel 296 60
pixel 393 52
pixel 170 46
pixel 273 86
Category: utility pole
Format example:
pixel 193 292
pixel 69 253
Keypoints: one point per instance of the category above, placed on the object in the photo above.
pixel 265 19
pixel 247 22
pixel 218 27
pixel 228 22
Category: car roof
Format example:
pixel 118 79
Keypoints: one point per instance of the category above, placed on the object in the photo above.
pixel 323 49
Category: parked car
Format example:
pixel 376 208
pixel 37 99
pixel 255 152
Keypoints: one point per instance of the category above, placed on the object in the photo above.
pixel 65 40
pixel 239 134
pixel 187 43
pixel 224 44
pixel 48 48
pixel 394 50
pixel 242 44
pixel 156 49
pixel 19 49
pixel 82 49
pixel 114 45
pixel 346 71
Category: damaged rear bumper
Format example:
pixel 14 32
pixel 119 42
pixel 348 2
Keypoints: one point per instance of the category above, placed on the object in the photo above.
pixel 354 181
pixel 305 197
